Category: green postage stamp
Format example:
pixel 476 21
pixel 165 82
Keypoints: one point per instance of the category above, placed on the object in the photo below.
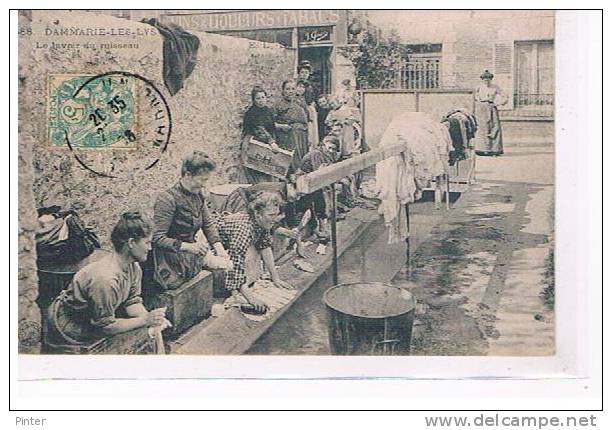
pixel 88 112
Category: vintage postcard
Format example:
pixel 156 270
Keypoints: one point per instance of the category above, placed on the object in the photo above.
pixel 287 182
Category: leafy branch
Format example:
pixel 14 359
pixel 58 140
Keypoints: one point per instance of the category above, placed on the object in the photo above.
pixel 376 60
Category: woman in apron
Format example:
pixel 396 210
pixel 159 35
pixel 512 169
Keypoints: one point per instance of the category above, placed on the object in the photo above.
pixel 488 139
pixel 309 106
pixel 292 125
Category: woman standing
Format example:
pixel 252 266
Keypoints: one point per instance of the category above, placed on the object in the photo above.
pixel 488 139
pixel 309 105
pixel 304 75
pixel 259 118
pixel 258 123
pixel 292 124
pixel 104 297
pixel 180 213
pixel 322 112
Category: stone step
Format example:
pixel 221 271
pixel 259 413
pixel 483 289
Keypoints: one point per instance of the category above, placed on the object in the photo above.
pixel 524 323
pixel 527 131
pixel 524 344
pixel 527 309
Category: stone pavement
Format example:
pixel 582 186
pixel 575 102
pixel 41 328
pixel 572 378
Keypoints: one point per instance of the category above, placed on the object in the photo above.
pixel 523 324
pixel 480 276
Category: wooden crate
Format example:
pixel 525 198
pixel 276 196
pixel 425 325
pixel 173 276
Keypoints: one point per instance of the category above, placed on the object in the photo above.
pixel 260 157
pixel 186 305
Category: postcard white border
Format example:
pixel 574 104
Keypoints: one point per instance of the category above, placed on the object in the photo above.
pixel 570 378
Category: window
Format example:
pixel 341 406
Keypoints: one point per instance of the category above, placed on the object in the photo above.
pixel 534 88
pixel 421 68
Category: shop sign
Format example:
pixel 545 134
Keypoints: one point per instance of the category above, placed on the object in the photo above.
pixel 315 35
pixel 254 20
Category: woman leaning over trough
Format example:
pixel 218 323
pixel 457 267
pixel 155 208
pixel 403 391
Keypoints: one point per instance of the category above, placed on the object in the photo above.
pixel 242 232
pixel 104 297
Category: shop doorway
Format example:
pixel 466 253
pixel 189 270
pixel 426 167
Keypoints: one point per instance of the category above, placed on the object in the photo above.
pixel 320 60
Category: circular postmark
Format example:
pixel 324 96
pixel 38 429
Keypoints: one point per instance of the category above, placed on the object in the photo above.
pixel 114 123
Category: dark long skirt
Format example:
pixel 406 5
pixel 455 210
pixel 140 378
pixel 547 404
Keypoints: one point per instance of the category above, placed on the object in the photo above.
pixel 488 139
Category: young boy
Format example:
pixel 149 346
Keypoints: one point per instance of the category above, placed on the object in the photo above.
pixel 320 201
pixel 322 111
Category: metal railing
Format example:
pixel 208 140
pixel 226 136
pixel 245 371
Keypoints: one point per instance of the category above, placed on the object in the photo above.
pixel 538 105
pixel 419 74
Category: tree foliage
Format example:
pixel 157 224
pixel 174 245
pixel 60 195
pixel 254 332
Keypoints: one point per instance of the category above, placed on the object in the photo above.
pixel 376 60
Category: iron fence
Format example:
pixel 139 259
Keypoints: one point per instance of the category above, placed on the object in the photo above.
pixel 420 74
pixel 535 105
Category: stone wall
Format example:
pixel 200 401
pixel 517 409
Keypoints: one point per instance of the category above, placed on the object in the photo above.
pixel 29 319
pixel 206 115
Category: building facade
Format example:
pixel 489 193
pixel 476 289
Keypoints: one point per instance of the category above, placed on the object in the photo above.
pixel 450 49
pixel 446 49
pixel 315 34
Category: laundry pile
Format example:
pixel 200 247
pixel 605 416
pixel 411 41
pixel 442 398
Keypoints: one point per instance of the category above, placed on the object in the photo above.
pixel 400 179
pixel 63 238
pixel 462 128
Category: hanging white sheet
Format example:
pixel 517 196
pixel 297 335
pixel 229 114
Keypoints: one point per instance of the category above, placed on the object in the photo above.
pixel 401 179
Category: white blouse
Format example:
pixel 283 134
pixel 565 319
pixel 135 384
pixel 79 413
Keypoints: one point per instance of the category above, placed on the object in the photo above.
pixel 493 94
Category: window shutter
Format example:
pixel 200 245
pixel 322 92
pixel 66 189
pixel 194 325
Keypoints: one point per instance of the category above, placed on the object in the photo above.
pixel 503 64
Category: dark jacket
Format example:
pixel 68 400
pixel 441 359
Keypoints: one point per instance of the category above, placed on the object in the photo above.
pixel 178 216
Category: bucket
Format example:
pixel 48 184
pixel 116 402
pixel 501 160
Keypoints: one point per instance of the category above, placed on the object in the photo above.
pixel 218 193
pixel 53 278
pixel 369 318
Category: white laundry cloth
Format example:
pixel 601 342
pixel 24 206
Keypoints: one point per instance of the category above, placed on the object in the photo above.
pixel 400 179
pixel 274 297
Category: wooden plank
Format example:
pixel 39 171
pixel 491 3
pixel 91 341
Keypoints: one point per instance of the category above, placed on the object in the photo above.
pixel 135 341
pixel 334 172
